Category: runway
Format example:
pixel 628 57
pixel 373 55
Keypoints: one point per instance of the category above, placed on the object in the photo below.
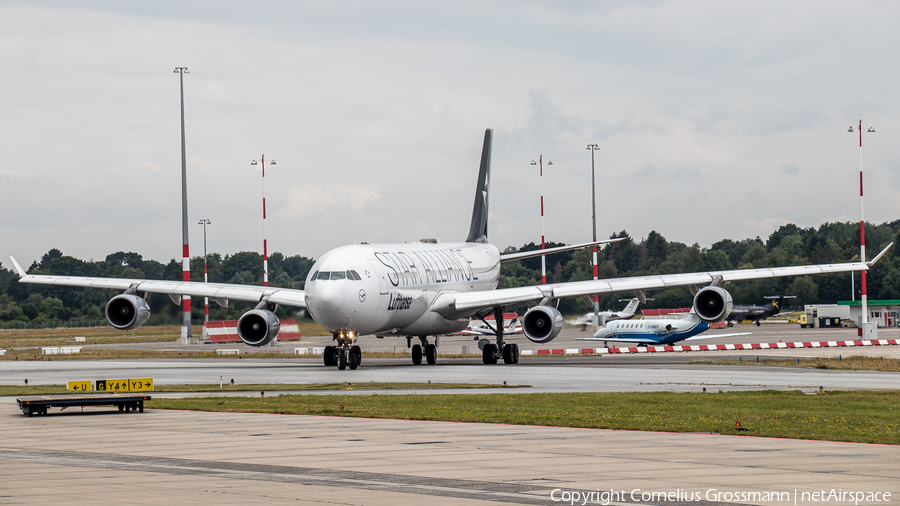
pixel 574 374
pixel 644 372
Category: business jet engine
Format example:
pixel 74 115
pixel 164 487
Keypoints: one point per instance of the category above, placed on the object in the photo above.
pixel 258 327
pixel 713 304
pixel 541 324
pixel 127 311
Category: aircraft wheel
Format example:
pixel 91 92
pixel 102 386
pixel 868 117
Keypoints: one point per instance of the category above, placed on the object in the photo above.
pixel 329 356
pixel 417 354
pixel 354 360
pixel 121 407
pixel 515 353
pixel 358 351
pixel 487 353
pixel 507 354
pixel 342 359
pixel 431 354
pixel 757 323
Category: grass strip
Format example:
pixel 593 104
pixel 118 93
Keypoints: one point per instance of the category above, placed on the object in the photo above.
pixel 16 390
pixel 855 363
pixel 21 342
pixel 859 416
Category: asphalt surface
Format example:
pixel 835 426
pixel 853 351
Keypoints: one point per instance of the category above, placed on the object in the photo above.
pixel 100 455
pixel 638 372
pixel 178 457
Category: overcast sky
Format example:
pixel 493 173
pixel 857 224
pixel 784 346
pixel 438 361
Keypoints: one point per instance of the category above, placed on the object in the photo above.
pixel 714 120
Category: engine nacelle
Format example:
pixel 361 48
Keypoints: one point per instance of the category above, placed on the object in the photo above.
pixel 541 324
pixel 258 327
pixel 713 304
pixel 127 311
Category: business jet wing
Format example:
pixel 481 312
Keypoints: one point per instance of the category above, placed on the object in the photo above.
pixel 219 292
pixel 710 336
pixel 515 297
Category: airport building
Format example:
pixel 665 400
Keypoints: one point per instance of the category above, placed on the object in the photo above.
pixel 883 312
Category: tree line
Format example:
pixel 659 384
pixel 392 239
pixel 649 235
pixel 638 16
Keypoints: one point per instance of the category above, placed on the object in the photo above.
pixel 654 254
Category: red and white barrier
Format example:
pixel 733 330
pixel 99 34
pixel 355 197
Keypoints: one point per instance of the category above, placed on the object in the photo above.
pixel 715 347
pixel 225 331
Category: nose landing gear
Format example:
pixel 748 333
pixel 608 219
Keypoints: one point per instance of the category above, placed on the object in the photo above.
pixel 345 353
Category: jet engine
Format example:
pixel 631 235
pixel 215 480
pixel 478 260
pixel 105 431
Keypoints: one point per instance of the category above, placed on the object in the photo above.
pixel 258 327
pixel 541 324
pixel 713 304
pixel 127 311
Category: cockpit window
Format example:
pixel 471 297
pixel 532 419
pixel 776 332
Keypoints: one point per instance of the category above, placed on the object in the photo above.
pixel 332 275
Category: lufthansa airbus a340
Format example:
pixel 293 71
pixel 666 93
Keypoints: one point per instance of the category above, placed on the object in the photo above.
pixel 420 290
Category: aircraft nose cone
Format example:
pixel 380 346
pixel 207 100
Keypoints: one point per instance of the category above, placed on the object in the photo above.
pixel 326 302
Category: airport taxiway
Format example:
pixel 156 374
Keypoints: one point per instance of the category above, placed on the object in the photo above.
pixel 639 372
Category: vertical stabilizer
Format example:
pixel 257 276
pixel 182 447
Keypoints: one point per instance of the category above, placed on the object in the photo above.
pixel 478 228
pixel 632 306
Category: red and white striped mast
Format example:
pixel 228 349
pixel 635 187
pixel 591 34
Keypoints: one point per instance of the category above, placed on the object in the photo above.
pixel 594 147
pixel 543 257
pixel 265 244
pixel 862 224
pixel 186 262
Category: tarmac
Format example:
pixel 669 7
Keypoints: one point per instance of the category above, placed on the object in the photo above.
pixel 178 457
pixel 159 456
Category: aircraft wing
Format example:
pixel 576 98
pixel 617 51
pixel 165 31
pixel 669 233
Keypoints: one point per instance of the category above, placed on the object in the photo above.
pixel 474 301
pixel 509 257
pixel 710 336
pixel 219 292
pixel 639 340
pixel 634 340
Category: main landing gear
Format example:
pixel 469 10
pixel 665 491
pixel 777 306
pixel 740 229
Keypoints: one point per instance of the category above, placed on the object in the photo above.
pixel 491 353
pixel 345 353
pixel 429 351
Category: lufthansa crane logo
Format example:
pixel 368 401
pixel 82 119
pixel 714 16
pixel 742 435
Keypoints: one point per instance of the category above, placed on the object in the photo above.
pixel 362 295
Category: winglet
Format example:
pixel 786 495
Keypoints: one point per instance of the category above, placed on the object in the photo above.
pixel 869 263
pixel 21 271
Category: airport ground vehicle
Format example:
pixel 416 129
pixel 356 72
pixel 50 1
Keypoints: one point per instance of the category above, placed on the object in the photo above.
pixel 39 404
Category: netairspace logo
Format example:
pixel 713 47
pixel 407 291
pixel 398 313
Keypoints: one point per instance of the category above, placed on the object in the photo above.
pixel 607 497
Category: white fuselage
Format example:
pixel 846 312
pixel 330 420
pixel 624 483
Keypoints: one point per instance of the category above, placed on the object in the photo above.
pixel 397 285
pixel 653 331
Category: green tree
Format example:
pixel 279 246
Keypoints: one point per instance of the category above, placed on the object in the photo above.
pixel 49 257
pixel 805 289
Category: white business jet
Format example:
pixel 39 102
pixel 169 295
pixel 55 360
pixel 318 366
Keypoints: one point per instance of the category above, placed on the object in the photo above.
pixel 417 290
pixel 656 331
